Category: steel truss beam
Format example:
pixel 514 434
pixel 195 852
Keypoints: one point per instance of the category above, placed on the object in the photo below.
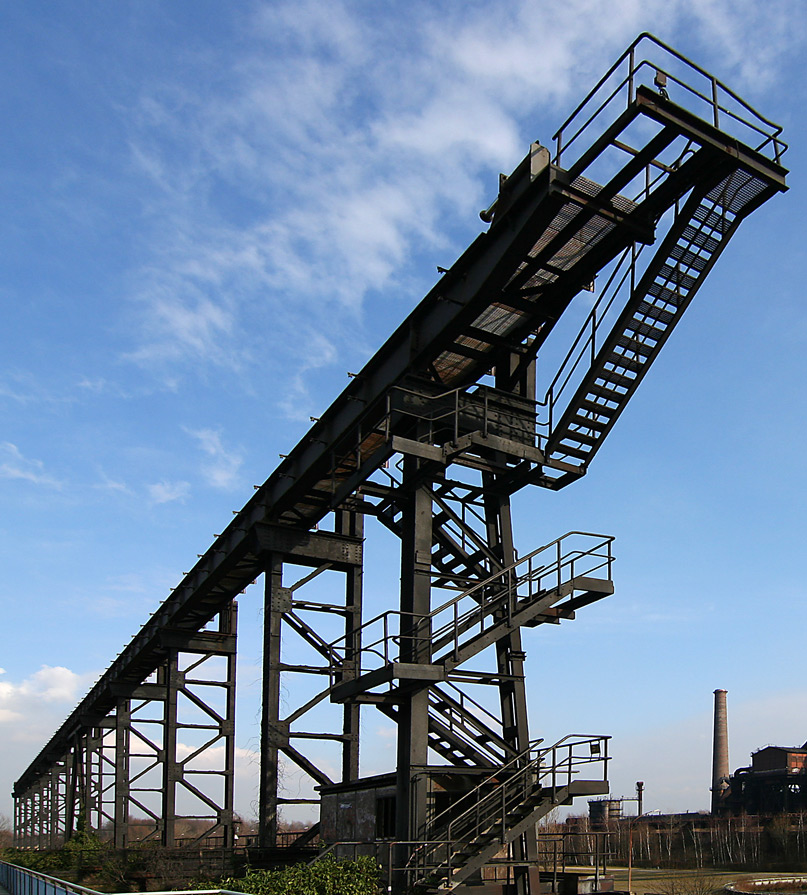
pixel 158 768
pixel 288 615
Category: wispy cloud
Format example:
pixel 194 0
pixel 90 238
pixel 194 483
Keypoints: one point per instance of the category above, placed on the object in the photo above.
pixel 113 486
pixel 753 38
pixel 340 145
pixel 13 465
pixel 221 470
pixel 181 322
pixel 165 492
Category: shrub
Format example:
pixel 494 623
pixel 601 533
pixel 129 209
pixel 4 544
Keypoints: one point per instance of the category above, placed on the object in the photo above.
pixel 325 877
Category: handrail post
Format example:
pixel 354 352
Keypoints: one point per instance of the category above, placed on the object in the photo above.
pixel 631 66
pixel 715 102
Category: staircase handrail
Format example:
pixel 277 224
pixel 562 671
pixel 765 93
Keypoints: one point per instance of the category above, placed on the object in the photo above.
pixel 380 646
pixel 565 568
pixel 522 766
pixel 585 343
pixel 489 802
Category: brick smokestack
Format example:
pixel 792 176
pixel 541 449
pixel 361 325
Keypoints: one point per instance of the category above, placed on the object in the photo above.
pixel 720 751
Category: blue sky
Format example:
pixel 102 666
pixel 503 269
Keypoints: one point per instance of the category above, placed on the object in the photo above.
pixel 213 211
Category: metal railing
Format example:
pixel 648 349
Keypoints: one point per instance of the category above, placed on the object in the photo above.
pixel 447 415
pixel 724 108
pixel 557 851
pixel 23 881
pixel 490 809
pixel 489 602
pixel 583 350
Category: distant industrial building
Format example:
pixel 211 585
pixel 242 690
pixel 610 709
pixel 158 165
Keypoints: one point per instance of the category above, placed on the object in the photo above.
pixel 774 783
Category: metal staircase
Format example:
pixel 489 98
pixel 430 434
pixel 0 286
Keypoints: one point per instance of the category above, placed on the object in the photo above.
pixel 461 730
pixel 483 823
pixel 700 232
pixel 547 585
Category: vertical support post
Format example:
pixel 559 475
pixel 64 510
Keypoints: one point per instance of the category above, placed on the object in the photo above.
pixel 58 804
pixel 520 378
pixel 413 726
pixel 228 624
pixel 20 827
pixel 273 605
pixel 123 721
pixel 72 789
pixel 93 782
pixel 44 811
pixel 171 770
pixel 351 524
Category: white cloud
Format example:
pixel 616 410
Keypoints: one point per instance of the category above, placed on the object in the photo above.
pixel 735 26
pixel 165 492
pixel 222 469
pixel 13 465
pixel 50 685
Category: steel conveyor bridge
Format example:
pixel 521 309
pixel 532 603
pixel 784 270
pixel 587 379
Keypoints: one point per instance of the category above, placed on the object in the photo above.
pixel 645 184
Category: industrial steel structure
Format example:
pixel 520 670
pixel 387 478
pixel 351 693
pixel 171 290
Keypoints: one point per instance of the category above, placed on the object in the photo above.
pixel 647 181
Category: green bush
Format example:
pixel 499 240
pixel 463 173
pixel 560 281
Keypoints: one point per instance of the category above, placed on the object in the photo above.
pixel 83 852
pixel 326 877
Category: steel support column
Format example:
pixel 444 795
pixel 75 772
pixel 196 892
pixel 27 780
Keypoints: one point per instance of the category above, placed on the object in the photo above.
pixel 518 374
pixel 413 708
pixel 352 525
pixel 123 720
pixel 275 602
pixel 286 613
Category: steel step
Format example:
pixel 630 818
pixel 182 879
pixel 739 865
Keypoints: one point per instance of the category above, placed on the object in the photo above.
pixel 616 359
pixel 613 378
pixel 649 311
pixel 589 422
pixel 633 345
pixel 684 255
pixel 639 325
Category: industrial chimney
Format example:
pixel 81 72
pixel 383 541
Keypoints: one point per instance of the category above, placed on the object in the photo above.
pixel 720 751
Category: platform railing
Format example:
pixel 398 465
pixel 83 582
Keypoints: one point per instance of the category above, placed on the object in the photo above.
pixel 23 881
pixel 447 415
pixel 723 107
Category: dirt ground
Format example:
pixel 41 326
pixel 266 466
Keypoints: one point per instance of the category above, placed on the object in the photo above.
pixel 644 880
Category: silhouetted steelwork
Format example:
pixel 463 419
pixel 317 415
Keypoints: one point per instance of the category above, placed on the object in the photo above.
pixel 651 176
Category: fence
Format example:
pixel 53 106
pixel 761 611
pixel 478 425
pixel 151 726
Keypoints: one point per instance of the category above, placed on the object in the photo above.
pixel 22 881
